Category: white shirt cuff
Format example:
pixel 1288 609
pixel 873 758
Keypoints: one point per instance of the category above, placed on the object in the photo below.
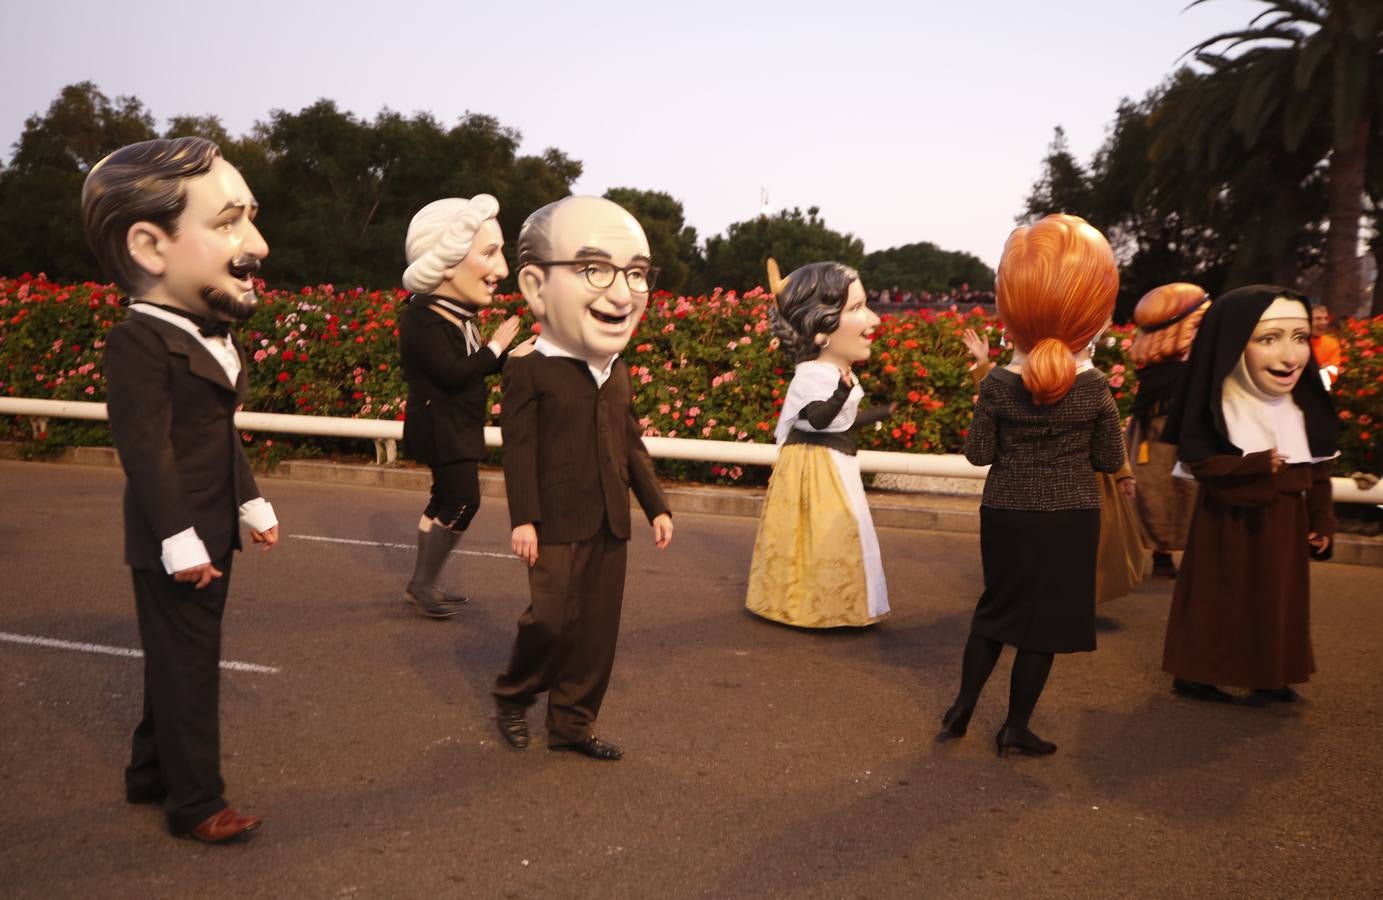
pixel 496 348
pixel 258 515
pixel 184 550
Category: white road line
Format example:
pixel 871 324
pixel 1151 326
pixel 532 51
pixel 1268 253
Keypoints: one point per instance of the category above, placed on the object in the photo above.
pixel 332 540
pixel 55 644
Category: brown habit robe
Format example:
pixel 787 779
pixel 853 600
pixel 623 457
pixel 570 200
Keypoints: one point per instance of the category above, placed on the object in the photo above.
pixel 1241 609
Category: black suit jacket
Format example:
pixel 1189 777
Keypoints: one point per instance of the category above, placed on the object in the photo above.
pixel 447 398
pixel 172 414
pixel 573 450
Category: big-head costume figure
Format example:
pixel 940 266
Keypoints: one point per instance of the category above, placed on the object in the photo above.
pixel 572 450
pixel 173 224
pixel 1044 424
pixel 1255 427
pixel 1167 317
pixel 455 263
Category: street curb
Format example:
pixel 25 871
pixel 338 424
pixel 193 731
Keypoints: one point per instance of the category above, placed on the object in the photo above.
pixel 919 512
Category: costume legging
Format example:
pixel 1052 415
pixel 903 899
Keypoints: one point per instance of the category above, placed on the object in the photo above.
pixel 1030 671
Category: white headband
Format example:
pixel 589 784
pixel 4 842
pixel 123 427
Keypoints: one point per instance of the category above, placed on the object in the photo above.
pixel 1285 308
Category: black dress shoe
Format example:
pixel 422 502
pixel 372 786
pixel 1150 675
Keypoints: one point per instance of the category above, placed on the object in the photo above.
pixel 145 795
pixel 956 720
pixel 429 601
pixel 1277 695
pixel 1024 741
pixel 593 747
pixel 1199 691
pixel 513 727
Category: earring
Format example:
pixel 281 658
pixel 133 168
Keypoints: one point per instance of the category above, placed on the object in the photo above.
pixel 1090 348
pixel 826 343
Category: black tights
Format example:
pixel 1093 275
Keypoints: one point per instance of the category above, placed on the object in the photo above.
pixel 1030 671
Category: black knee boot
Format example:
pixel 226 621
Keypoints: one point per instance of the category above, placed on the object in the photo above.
pixel 434 546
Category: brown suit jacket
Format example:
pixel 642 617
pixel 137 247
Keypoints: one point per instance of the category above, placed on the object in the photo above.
pixel 573 450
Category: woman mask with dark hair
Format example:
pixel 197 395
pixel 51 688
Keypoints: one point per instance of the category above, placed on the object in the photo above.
pixel 816 556
pixel 1255 427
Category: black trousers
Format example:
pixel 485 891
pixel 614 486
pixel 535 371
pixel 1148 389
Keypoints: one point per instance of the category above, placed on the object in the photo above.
pixel 177 745
pixel 567 636
pixel 455 494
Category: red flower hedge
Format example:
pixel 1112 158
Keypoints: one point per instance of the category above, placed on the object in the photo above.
pixel 703 367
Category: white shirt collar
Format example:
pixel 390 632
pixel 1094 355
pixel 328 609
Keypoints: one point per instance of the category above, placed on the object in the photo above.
pixel 220 348
pixel 548 348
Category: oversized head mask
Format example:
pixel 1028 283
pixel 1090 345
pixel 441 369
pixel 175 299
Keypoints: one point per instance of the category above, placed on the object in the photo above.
pixel 585 270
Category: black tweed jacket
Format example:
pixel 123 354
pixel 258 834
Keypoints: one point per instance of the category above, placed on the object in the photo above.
pixel 1044 458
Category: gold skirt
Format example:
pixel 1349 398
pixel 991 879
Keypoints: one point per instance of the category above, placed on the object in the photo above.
pixel 1120 564
pixel 809 566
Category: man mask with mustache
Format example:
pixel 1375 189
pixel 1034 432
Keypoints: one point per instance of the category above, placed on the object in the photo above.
pixel 173 224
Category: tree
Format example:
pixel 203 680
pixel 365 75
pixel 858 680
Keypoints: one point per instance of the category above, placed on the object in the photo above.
pixel 338 192
pixel 1333 50
pixel 1064 186
pixel 40 191
pixel 736 260
pixel 1181 197
pixel 671 240
pixel 925 267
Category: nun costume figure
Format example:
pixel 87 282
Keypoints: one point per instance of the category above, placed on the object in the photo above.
pixel 1255 427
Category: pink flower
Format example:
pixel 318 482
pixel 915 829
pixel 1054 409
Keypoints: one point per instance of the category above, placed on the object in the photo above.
pixel 705 432
pixel 260 355
pixel 1116 381
pixel 494 410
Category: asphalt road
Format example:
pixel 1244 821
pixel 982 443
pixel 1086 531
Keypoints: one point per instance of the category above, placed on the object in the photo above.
pixel 761 761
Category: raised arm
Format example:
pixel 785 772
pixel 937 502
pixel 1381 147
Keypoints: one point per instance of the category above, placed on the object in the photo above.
pixel 1246 481
pixel 430 346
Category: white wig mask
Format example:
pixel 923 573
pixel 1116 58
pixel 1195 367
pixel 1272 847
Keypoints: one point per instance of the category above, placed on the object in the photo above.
pixel 440 236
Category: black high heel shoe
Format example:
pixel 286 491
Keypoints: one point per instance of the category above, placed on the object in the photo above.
pixel 1022 740
pixel 957 719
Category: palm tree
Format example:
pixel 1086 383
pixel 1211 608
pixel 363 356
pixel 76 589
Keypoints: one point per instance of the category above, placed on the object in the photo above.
pixel 1334 50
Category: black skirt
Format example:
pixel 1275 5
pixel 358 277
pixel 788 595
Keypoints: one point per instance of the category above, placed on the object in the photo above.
pixel 1039 578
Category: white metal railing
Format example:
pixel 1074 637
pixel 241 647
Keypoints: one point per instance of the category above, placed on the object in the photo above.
pixel 386 435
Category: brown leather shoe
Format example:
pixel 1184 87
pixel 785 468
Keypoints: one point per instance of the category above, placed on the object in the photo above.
pixel 226 825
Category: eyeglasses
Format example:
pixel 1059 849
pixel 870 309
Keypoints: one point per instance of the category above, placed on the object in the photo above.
pixel 600 275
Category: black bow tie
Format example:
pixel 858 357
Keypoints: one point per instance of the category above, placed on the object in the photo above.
pixel 213 328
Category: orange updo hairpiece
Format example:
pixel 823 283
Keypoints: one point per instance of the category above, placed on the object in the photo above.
pixel 1055 290
pixel 1167 318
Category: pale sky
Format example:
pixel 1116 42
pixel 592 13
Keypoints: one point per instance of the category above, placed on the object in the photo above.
pixel 902 121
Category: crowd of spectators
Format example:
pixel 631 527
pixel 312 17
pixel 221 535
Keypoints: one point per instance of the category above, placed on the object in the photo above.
pixel 962 296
